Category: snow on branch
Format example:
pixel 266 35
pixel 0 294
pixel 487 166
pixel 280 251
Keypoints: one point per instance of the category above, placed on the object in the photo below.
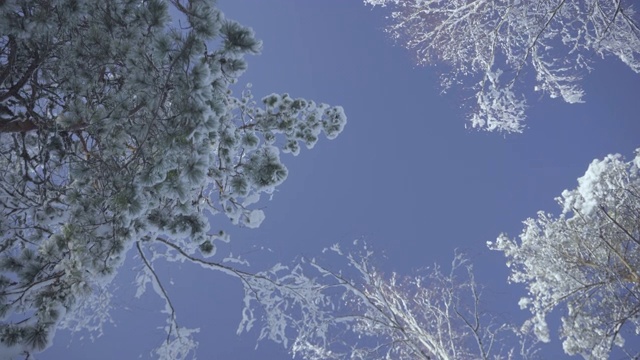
pixel 556 41
pixel 361 313
pixel 586 261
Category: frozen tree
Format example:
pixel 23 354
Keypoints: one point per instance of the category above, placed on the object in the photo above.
pixel 118 132
pixel 491 44
pixel 586 261
pixel 361 313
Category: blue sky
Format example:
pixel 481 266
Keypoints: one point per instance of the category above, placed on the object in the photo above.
pixel 405 175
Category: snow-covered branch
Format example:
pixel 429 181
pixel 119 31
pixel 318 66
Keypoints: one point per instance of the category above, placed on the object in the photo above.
pixel 359 313
pixel 587 261
pixel 488 44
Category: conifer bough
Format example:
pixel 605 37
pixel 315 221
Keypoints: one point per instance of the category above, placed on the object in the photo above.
pixel 118 132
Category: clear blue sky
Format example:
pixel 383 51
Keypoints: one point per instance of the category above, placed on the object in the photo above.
pixel 405 175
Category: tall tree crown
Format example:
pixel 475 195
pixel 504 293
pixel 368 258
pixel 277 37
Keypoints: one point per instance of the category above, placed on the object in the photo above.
pixel 117 128
pixel 489 45
pixel 585 261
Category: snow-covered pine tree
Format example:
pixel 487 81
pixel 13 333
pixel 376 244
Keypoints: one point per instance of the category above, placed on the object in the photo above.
pixel 118 132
